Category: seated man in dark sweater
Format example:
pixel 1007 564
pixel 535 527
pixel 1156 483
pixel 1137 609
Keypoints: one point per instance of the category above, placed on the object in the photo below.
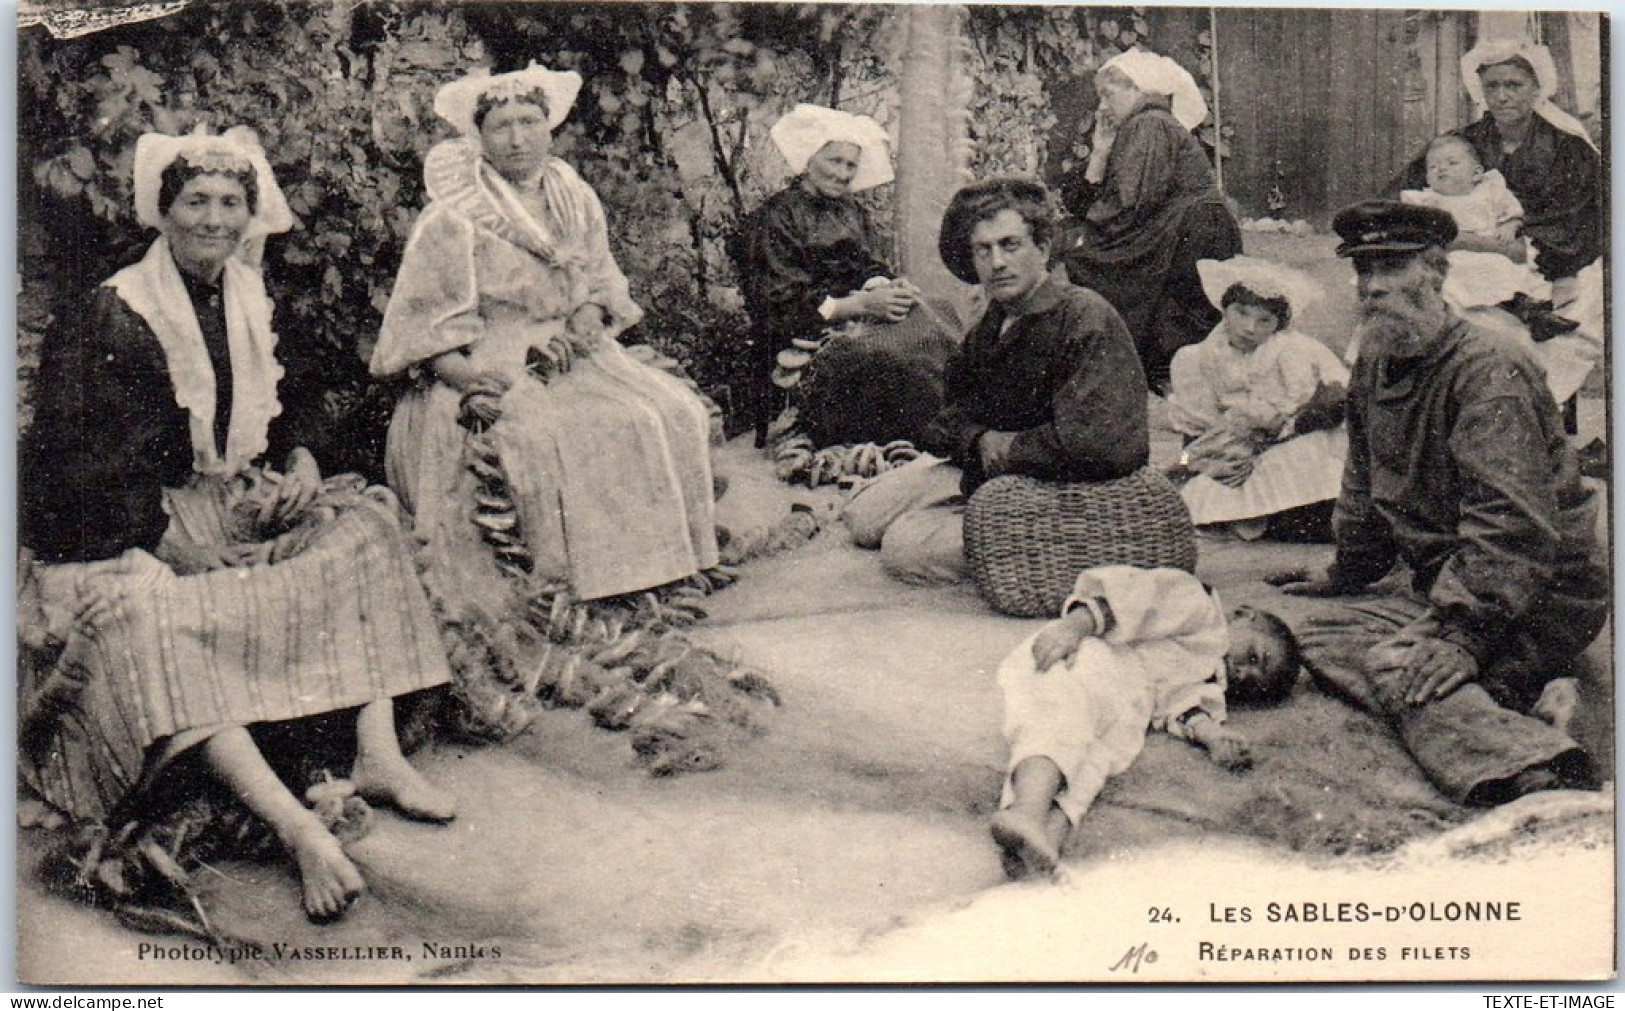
pixel 1047 384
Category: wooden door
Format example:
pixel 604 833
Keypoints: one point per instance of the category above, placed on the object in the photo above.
pixel 1315 100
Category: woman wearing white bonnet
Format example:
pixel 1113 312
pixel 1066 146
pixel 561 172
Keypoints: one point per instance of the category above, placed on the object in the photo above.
pixel 805 130
pixel 1149 207
pixel 1259 405
pixel 809 257
pixel 504 318
pixel 1551 165
pixel 186 590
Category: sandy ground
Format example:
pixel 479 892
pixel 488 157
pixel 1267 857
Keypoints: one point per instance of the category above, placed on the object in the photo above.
pixel 861 809
pixel 849 840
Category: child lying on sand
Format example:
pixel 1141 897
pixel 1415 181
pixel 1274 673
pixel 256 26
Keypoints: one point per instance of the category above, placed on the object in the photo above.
pixel 1133 648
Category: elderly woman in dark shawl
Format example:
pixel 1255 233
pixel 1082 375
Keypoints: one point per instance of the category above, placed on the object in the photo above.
pixel 1149 208
pixel 809 262
pixel 1551 165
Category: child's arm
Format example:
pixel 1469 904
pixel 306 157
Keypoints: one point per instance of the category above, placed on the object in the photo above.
pixel 1489 242
pixel 1058 641
pixel 1193 404
pixel 1506 240
pixel 1154 605
pixel 1224 746
pixel 1513 246
pixel 1258 419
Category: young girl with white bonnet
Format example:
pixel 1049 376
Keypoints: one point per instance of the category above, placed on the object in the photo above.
pixel 1259 404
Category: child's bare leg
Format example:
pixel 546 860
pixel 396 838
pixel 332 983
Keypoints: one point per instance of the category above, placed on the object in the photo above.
pixel 330 881
pixel 1033 827
pixel 383 774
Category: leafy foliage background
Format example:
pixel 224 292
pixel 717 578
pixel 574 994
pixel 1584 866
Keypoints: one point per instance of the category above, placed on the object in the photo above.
pixel 670 128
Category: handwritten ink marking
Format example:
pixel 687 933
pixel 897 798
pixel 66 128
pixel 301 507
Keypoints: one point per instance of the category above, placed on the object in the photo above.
pixel 1132 959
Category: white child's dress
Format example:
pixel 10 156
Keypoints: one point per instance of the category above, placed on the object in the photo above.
pixel 1483 279
pixel 1163 657
pixel 1478 282
pixel 1213 385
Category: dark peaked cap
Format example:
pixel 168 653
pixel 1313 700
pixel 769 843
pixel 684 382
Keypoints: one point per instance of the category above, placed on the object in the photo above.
pixel 1375 227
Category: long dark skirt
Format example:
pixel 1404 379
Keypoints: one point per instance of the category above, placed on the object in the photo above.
pixel 879 381
pixel 1158 292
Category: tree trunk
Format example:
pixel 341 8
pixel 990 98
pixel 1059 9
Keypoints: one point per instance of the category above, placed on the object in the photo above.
pixel 933 141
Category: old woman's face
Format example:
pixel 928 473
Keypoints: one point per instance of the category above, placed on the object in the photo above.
pixel 516 140
pixel 1117 93
pixel 831 168
pixel 205 223
pixel 1510 92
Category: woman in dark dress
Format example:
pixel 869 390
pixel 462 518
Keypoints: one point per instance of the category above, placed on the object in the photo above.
pixel 1149 208
pixel 809 262
pixel 1551 165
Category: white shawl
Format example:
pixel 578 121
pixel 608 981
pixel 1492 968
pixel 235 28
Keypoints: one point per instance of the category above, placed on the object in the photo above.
pixel 153 289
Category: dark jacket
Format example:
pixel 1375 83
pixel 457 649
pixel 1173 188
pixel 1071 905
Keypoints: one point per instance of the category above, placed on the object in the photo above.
pixel 798 249
pixel 1458 465
pixel 1065 377
pixel 108 436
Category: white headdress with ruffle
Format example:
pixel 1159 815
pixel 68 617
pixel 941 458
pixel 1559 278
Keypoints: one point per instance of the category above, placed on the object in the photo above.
pixel 1492 52
pixel 455 102
pixel 1263 278
pixel 236 150
pixel 801 132
pixel 1155 74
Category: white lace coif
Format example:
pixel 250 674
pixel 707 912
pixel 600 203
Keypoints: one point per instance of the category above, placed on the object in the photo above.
pixel 1490 53
pixel 455 102
pixel 1159 75
pixel 232 151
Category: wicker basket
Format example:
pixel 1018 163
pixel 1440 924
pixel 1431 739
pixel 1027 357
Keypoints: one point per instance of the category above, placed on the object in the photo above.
pixel 1027 540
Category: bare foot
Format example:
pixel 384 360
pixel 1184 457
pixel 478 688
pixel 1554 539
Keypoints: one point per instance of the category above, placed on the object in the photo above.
pixel 331 882
pixel 1026 840
pixel 1558 703
pixel 396 783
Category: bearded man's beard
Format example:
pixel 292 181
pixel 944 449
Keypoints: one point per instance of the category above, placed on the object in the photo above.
pixel 1401 326
pixel 1388 332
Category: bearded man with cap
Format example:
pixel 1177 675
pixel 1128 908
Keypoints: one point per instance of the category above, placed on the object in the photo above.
pixel 1459 468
